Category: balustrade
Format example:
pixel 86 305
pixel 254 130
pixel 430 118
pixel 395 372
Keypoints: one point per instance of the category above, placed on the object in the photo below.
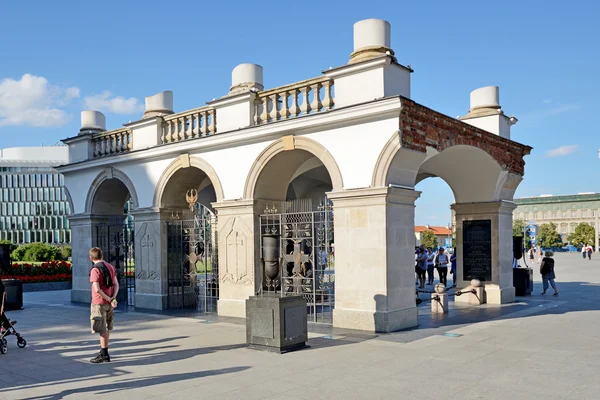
pixel 191 124
pixel 112 142
pixel 295 100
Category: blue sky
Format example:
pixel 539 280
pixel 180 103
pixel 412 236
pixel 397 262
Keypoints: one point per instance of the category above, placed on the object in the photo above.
pixel 57 58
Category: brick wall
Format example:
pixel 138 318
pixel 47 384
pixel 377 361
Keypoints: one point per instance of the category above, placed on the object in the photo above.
pixel 422 127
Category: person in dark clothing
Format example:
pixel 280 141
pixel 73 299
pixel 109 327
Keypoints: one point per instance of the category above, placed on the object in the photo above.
pixel 547 271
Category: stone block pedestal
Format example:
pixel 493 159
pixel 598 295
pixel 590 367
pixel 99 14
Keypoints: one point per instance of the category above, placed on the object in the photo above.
pixel 277 324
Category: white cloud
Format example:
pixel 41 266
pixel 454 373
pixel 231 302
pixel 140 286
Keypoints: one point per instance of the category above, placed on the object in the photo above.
pixel 117 105
pixel 32 101
pixel 562 151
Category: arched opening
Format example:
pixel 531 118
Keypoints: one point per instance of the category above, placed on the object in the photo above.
pixel 110 202
pixel 294 176
pixel 459 174
pixel 297 238
pixel 175 193
pixel 185 195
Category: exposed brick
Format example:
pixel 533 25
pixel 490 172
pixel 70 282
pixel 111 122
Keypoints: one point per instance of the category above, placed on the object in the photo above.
pixel 422 127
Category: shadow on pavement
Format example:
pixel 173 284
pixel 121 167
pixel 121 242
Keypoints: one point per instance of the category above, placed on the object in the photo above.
pixel 124 384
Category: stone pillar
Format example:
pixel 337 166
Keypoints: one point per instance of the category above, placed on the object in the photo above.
pixel 374 266
pixel 83 234
pixel 151 277
pixel 239 254
pixel 500 289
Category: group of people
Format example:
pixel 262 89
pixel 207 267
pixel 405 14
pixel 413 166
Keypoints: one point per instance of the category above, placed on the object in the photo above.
pixel 587 250
pixel 428 260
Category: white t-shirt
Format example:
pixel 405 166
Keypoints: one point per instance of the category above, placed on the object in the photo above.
pixel 430 258
pixel 442 259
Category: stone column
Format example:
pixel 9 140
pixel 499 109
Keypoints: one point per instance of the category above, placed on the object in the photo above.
pixel 84 237
pixel 374 265
pixel 239 254
pixel 500 289
pixel 151 275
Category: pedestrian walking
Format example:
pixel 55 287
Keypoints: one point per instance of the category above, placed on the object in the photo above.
pixel 430 265
pixel 441 263
pixel 421 266
pixel 590 250
pixel 584 250
pixel 532 253
pixel 547 272
pixel 453 267
pixel 541 255
pixel 105 287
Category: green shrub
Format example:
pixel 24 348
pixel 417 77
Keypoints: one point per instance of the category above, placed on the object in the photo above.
pixel 36 252
pixel 66 252
pixel 18 253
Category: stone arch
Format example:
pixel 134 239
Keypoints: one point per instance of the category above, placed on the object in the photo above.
pixel 475 176
pixel 287 144
pixel 108 176
pixel 186 161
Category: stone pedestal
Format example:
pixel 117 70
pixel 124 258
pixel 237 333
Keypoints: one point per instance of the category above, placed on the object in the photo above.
pixel 499 282
pixel 151 280
pixel 277 324
pixel 439 300
pixel 239 254
pixel 83 234
pixel 374 268
pixel 474 294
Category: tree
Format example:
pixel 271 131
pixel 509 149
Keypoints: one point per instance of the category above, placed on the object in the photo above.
pixel 548 237
pixel 518 227
pixel 584 233
pixel 428 239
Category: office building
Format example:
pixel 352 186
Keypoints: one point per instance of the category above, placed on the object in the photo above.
pixel 33 203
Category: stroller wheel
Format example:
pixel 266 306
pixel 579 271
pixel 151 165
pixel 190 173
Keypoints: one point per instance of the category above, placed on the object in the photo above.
pixel 21 343
pixel 3 346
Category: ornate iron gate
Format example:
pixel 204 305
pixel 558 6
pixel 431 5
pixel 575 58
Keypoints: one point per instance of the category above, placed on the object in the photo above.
pixel 192 262
pixel 116 239
pixel 306 254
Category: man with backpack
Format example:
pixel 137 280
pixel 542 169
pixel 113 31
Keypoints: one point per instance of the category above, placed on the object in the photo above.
pixel 105 287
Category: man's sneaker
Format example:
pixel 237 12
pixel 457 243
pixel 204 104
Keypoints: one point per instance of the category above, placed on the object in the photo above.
pixel 100 358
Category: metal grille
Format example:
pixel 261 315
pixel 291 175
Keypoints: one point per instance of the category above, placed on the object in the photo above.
pixel 116 240
pixel 192 262
pixel 306 255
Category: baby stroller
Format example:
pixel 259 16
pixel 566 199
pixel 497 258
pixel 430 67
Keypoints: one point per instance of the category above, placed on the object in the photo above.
pixel 7 328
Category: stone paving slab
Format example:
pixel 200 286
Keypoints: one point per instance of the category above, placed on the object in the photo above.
pixel 539 347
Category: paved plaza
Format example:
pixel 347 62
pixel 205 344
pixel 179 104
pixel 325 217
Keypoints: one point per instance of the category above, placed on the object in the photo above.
pixel 541 347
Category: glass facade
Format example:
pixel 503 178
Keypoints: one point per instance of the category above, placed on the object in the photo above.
pixel 33 206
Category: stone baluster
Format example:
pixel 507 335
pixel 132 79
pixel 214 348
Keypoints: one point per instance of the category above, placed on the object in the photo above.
pixel 328 99
pixel 257 111
pixel 284 111
pixel 295 109
pixel 274 107
pixel 129 140
pixel 213 121
pixel 305 107
pixel 181 129
pixel 265 110
pixel 316 103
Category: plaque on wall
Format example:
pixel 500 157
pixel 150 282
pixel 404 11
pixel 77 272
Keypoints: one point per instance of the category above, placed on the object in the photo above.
pixel 477 250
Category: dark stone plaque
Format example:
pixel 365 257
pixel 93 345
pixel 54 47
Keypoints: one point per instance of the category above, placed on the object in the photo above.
pixel 477 250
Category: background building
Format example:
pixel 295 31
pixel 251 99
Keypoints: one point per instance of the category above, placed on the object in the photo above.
pixel 565 211
pixel 33 204
pixel 442 233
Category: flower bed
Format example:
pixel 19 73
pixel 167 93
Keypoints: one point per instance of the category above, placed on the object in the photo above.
pixel 51 271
